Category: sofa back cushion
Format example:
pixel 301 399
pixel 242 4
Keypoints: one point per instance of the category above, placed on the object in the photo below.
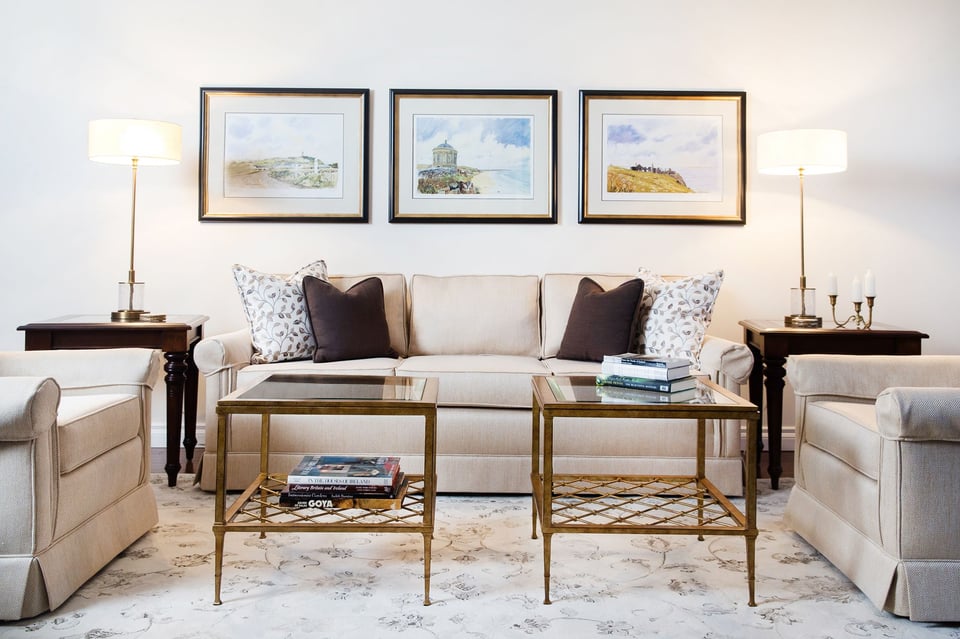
pixel 394 303
pixel 475 314
pixel 558 290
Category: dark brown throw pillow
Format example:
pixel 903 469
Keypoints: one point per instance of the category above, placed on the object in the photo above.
pixel 349 324
pixel 601 322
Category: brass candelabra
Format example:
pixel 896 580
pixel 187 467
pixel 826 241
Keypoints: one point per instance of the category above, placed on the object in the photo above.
pixel 858 322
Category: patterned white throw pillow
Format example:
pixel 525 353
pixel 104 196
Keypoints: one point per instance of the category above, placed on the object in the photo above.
pixel 277 312
pixel 675 313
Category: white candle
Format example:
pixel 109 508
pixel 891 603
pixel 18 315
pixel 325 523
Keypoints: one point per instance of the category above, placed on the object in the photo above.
pixel 870 284
pixel 856 291
pixel 831 284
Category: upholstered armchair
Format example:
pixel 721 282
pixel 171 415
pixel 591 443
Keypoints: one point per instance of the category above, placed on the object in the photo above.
pixel 877 466
pixel 75 467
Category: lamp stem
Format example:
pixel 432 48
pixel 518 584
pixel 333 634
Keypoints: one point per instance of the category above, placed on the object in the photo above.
pixel 803 271
pixel 131 275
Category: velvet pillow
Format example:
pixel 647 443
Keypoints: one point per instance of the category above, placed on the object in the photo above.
pixel 675 313
pixel 276 312
pixel 349 324
pixel 601 322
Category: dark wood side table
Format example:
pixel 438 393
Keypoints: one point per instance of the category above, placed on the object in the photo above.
pixel 176 337
pixel 771 343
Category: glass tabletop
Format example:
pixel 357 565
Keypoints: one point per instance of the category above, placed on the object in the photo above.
pixel 328 387
pixel 584 389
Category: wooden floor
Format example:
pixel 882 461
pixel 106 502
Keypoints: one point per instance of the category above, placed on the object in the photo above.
pixel 158 458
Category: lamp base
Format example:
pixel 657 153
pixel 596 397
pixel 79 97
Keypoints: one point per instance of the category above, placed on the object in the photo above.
pixel 126 316
pixel 802 321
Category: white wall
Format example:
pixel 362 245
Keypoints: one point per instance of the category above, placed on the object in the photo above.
pixel 882 70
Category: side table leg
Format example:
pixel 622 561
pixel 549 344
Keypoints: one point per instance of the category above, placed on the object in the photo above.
pixel 774 372
pixel 176 368
pixel 755 386
pixel 427 539
pixel 190 393
pixel 547 537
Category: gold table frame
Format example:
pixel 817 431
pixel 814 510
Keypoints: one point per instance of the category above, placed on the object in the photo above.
pixel 678 505
pixel 257 509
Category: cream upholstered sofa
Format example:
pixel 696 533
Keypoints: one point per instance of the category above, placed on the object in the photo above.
pixel 74 456
pixel 877 475
pixel 483 336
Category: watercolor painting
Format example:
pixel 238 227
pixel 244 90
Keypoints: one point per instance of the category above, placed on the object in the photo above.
pixel 663 156
pixel 473 156
pixel 295 155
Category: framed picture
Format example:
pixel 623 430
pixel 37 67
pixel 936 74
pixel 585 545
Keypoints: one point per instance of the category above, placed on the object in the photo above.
pixel 663 157
pixel 473 156
pixel 299 155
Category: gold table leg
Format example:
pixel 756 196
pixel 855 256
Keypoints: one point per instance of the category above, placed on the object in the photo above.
pixel 546 567
pixel 427 538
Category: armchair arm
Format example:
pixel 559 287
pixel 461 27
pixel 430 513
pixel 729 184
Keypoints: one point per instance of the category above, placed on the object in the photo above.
pixel 919 414
pixel 86 369
pixel 728 363
pixel 866 376
pixel 28 407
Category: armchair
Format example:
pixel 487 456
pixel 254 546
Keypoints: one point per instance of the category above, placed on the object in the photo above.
pixel 877 466
pixel 74 457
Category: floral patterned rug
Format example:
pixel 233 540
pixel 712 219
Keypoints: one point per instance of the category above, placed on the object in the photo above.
pixel 487 582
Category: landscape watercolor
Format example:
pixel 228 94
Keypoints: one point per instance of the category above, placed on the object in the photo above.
pixel 662 157
pixel 283 155
pixel 473 156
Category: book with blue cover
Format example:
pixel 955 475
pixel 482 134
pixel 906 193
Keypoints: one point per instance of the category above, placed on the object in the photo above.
pixel 642 383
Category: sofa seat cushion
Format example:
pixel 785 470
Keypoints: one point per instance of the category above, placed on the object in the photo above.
pixel 91 425
pixel 558 366
pixel 497 381
pixel 848 431
pixel 383 366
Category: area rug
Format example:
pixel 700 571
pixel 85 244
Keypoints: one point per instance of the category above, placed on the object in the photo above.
pixel 487 582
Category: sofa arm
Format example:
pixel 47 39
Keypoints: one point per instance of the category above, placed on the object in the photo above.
pixel 218 359
pixel 919 414
pixel 866 376
pixel 28 407
pixel 86 370
pixel 726 362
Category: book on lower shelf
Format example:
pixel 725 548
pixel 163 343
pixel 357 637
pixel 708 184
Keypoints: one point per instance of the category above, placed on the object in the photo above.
pixel 654 367
pixel 322 499
pixel 345 470
pixel 343 490
pixel 642 383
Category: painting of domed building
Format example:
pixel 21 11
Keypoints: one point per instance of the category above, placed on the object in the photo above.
pixel 444 155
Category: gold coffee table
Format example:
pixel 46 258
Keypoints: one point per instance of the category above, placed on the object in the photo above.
pixel 678 505
pixel 258 509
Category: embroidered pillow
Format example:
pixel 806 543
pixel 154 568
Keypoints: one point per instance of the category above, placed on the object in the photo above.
pixel 601 322
pixel 277 313
pixel 349 324
pixel 675 314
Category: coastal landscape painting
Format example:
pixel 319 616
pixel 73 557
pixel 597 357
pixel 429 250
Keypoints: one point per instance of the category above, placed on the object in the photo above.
pixel 663 157
pixel 473 156
pixel 284 154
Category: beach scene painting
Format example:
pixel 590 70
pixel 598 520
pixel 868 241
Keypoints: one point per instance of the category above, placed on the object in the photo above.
pixel 473 156
pixel 663 157
pixel 283 155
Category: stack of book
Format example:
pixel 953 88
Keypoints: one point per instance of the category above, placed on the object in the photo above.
pixel 647 377
pixel 342 481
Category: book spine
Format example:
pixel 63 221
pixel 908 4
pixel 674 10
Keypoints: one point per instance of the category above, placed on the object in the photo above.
pixel 314 490
pixel 639 384
pixel 630 370
pixel 337 480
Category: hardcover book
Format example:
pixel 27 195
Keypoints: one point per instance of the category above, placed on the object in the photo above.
pixel 654 361
pixel 345 470
pixel 343 490
pixel 391 501
pixel 637 369
pixel 623 395
pixel 641 383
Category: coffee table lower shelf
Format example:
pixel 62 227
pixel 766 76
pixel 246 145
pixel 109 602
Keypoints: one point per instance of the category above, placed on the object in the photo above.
pixel 258 509
pixel 635 504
